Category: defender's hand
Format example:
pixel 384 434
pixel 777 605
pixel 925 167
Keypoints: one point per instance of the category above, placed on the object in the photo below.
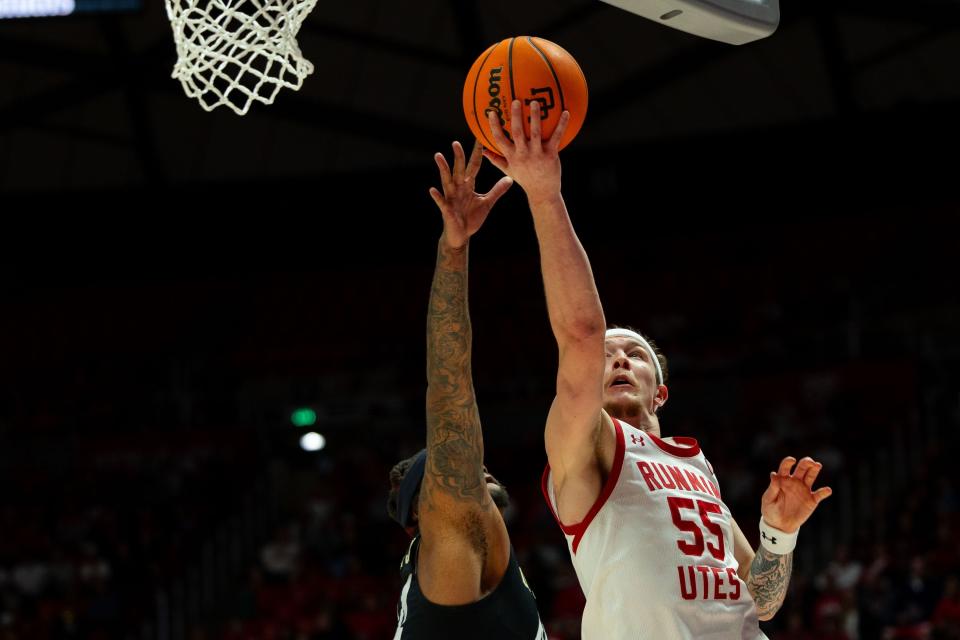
pixel 462 208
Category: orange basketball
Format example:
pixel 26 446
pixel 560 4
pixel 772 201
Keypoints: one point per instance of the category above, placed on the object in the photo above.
pixel 528 69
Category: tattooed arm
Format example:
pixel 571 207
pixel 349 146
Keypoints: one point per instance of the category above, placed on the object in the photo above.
pixel 766 574
pixel 454 478
pixel 768 579
pixel 786 504
pixel 464 548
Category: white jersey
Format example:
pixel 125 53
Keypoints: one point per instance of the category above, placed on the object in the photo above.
pixel 654 555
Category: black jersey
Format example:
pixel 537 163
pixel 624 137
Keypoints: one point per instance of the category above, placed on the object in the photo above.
pixel 509 612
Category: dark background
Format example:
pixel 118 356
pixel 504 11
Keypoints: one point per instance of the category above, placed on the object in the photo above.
pixel 781 217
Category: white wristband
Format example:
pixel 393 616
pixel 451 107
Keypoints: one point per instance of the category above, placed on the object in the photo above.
pixel 776 541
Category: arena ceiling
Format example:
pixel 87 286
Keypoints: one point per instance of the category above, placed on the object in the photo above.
pixel 88 101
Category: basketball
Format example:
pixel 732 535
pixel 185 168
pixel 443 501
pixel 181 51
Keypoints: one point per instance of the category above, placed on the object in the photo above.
pixel 528 69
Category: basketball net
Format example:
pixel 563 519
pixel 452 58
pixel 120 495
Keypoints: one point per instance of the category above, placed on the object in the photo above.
pixel 232 52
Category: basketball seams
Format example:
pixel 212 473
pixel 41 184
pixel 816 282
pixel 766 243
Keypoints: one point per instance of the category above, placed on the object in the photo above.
pixel 553 72
pixel 476 82
pixel 513 90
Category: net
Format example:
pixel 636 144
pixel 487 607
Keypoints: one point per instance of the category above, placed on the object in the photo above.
pixel 232 52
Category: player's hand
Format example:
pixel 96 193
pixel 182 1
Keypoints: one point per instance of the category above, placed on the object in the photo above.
pixel 462 208
pixel 532 162
pixel 790 498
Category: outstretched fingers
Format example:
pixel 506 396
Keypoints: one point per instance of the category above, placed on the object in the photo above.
pixel 503 184
pixel 553 144
pixel 803 468
pixel 535 124
pixel 476 158
pixel 822 494
pixel 812 473
pixel 499 137
pixel 785 465
pixel 516 126
pixel 459 161
pixel 446 179
pixel 496 160
pixel 441 203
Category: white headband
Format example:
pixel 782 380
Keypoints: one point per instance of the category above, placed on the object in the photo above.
pixel 626 333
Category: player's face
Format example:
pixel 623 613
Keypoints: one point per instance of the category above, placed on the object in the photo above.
pixel 630 379
pixel 497 491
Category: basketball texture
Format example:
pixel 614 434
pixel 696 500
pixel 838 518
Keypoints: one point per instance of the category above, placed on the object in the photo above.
pixel 525 68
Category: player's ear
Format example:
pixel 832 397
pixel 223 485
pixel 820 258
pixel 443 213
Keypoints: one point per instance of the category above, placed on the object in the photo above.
pixel 660 398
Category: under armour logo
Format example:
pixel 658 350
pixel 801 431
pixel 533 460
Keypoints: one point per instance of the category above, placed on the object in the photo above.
pixel 637 440
pixel 766 537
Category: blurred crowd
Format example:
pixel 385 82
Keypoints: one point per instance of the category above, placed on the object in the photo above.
pixel 171 500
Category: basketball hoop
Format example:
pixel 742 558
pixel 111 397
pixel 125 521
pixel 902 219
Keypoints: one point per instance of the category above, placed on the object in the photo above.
pixel 232 52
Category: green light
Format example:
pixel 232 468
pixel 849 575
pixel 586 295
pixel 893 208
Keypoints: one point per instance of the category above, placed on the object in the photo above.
pixel 304 417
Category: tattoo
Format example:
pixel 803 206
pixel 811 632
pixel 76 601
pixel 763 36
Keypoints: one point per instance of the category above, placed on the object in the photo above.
pixel 768 579
pixel 454 438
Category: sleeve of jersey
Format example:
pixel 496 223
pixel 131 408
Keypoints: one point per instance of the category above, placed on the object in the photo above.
pixel 713 476
pixel 546 485
pixel 576 531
